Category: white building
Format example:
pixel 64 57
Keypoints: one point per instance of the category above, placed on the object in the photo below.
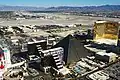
pixel 7 58
pixel 100 75
pixel 107 57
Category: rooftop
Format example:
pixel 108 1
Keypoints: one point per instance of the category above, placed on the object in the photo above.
pixel 101 21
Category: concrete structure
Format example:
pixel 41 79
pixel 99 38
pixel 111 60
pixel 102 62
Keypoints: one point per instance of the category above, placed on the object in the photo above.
pixel 58 63
pixel 57 54
pixel 34 45
pixel 2 64
pixel 7 57
pixel 100 75
pixel 5 60
pixel 107 57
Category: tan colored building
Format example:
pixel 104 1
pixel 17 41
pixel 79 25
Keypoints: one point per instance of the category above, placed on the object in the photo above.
pixel 106 30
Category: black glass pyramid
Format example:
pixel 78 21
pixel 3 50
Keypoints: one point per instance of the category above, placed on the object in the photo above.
pixel 73 49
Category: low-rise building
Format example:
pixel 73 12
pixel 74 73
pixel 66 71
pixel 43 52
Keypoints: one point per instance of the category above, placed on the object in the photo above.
pixel 106 57
pixel 100 75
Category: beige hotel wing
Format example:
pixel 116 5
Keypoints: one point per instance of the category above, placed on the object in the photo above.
pixel 106 30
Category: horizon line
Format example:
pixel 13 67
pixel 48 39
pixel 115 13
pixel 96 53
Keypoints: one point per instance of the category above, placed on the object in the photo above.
pixel 60 5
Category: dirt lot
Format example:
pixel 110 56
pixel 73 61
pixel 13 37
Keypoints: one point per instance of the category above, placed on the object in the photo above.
pixel 62 19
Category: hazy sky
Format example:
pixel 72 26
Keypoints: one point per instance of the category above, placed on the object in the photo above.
pixel 50 3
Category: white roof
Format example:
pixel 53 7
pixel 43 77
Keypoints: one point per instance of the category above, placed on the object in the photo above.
pixel 36 41
pixel 50 50
pixel 104 53
pixel 101 21
pixel 51 39
pixel 100 75
pixel 94 49
pixel 64 71
pixel 17 64
pixel 106 41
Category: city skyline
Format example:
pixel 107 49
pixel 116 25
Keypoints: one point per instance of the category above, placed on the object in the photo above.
pixel 55 3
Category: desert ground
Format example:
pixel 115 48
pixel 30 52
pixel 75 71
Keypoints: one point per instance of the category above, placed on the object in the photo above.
pixel 61 19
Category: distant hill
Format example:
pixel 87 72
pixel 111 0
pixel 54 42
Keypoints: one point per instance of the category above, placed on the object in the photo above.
pixel 62 8
pixel 18 8
pixel 87 8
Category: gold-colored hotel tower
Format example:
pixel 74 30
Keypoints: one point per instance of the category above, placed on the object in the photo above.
pixel 106 30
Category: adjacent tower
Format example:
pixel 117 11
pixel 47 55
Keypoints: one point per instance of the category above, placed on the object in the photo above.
pixel 106 32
